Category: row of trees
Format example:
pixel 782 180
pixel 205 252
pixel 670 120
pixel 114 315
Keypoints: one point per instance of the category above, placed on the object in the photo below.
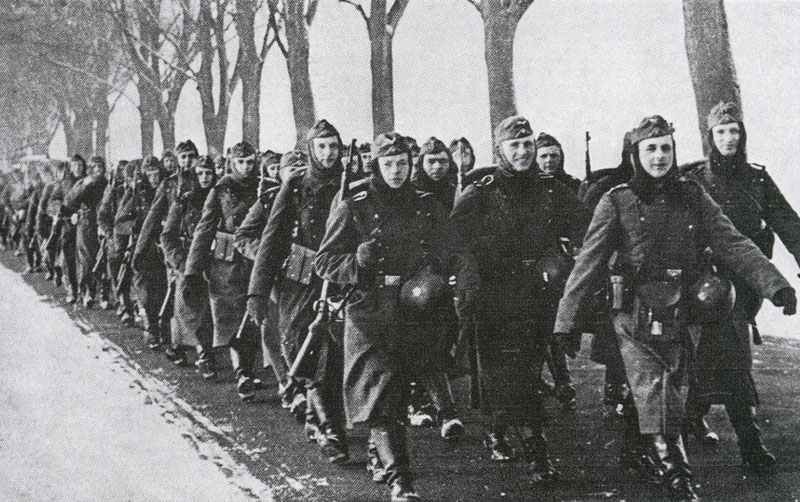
pixel 70 62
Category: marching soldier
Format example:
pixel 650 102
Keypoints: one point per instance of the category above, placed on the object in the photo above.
pixel 213 254
pixel 274 167
pixel 192 321
pixel 105 230
pixel 292 236
pixel 757 208
pixel 45 216
pixel 67 234
pixel 147 259
pixel 433 174
pixel 515 230
pixel 660 224
pixel 32 254
pixel 81 202
pixel 389 244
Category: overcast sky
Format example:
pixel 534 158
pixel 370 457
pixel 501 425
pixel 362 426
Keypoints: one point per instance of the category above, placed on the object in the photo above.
pixel 579 65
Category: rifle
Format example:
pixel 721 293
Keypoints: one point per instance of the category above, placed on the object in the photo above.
pixel 100 258
pixel 317 327
pixel 460 174
pixel 166 310
pixel 125 268
pixel 587 157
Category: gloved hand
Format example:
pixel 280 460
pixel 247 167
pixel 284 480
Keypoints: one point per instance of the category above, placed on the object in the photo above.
pixel 367 253
pixel 786 298
pixel 570 343
pixel 623 323
pixel 257 309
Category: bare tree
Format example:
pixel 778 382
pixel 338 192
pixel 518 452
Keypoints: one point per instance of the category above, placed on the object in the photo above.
pixel 160 44
pixel 710 60
pixel 295 19
pixel 381 25
pixel 500 20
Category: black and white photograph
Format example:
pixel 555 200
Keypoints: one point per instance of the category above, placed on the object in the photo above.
pixel 399 250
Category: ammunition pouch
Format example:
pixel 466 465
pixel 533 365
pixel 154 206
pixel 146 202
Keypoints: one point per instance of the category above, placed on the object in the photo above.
pixel 222 247
pixel 658 309
pixel 299 265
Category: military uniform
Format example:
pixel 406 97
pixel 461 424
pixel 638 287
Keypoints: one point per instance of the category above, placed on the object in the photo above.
pixel 386 342
pixel 66 235
pixel 44 224
pixel 83 200
pixel 284 261
pixel 723 359
pixel 660 227
pixel 508 224
pixel 192 321
pixel 212 254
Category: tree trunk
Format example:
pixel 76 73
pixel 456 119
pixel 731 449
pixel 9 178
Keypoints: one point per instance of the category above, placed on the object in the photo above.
pixel 83 128
pixel 251 102
pixel 101 117
pixel 147 119
pixel 297 65
pixel 381 65
pixel 499 53
pixel 710 61
pixel 166 122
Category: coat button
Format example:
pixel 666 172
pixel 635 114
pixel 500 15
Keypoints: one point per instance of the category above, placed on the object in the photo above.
pixel 376 216
pixel 641 218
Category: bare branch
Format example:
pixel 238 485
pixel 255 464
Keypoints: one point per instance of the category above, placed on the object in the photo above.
pixel 311 11
pixel 395 13
pixel 477 4
pixel 359 8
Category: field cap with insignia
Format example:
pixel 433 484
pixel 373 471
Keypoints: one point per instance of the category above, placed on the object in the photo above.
pixel 151 163
pixel 242 149
pixel 390 143
pixel 186 146
pixel 270 157
pixel 322 129
pixel 650 127
pixel 513 127
pixel 544 140
pixel 724 113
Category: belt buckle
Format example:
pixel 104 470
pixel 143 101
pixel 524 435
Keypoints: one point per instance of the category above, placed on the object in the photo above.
pixel 391 280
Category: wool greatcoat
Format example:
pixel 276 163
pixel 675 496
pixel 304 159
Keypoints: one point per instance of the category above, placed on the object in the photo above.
pixel 192 313
pixel 669 230
pixel 83 199
pixel 212 253
pixel 750 199
pixel 385 344
pixel 505 225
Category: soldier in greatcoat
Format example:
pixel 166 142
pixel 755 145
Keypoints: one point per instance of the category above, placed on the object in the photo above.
pixel 516 229
pixel 273 167
pixel 105 230
pixel 192 324
pixel 388 242
pixel 82 202
pixel 284 261
pixel 215 261
pixel 45 216
pixel 67 226
pixel 758 209
pixel 661 224
pixel 41 177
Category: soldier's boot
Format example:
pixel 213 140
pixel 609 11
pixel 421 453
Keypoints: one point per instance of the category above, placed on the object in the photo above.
pixel 390 445
pixel 441 394
pixel 497 443
pixel 677 474
pixel 73 296
pixel 421 411
pixel 535 453
pixel 755 456
pixel 330 437
pixel 152 337
pixel 293 398
pixel 205 363
pixel 696 424
pixel 245 387
pixel 58 276
pixel 374 465
pixel 636 458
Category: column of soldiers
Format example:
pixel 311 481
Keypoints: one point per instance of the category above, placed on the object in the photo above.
pixel 369 278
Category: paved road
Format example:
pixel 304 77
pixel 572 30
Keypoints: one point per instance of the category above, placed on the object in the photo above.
pixel 78 423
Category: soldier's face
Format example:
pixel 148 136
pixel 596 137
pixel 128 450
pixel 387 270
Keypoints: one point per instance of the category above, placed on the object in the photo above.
pixel 394 169
pixel 153 177
pixel 365 158
pixel 169 163
pixel 272 170
pixel 326 150
pixel 726 138
pixel 244 166
pixel 436 165
pixel 204 177
pixel 77 168
pixel 98 169
pixel 185 159
pixel 519 152
pixel 549 158
pixel 656 155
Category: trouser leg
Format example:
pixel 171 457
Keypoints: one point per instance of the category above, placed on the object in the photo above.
pixel 389 440
pixel 755 455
